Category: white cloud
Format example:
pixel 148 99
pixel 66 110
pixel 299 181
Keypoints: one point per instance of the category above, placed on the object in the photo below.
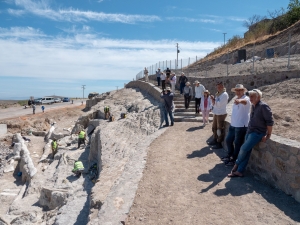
pixel 43 9
pixel 86 55
pixel 193 20
pixel 16 12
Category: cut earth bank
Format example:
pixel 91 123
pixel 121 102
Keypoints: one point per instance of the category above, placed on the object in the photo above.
pixel 53 195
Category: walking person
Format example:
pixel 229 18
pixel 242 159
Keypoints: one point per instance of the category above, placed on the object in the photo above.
pixel 43 108
pixel 182 80
pixel 219 102
pixel 54 147
pixel 188 94
pixel 33 108
pixel 146 75
pixel 259 130
pixel 163 80
pixel 168 96
pixel 239 124
pixel 173 82
pixel 205 107
pixel 199 90
pixel 158 77
pixel 81 137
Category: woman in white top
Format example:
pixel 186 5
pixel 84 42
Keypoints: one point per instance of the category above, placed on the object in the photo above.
pixel 173 82
pixel 163 80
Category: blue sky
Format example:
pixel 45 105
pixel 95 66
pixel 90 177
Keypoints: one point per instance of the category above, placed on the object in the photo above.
pixel 52 46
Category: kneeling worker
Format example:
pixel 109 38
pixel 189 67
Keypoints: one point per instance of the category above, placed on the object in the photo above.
pixel 78 168
pixel 54 147
pixel 81 138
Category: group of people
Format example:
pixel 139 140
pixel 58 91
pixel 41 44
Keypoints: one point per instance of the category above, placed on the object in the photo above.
pixel 251 119
pixel 33 108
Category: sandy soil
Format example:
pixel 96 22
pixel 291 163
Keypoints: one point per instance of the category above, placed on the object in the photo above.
pixel 185 183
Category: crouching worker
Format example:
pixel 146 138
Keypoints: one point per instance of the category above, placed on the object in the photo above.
pixel 81 138
pixel 78 168
pixel 54 147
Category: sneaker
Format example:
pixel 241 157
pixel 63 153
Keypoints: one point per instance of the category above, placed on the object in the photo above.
pixel 166 125
pixel 230 163
pixel 217 146
pixel 213 142
pixel 225 158
pixel 204 124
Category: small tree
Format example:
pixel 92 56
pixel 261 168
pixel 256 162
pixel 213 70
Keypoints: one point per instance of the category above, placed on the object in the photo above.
pixel 293 15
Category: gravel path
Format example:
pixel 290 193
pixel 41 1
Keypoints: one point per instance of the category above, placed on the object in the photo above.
pixel 185 182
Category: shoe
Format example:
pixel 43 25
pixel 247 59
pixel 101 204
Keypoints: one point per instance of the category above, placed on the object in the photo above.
pixel 172 124
pixel 204 124
pixel 213 142
pixel 225 158
pixel 166 125
pixel 217 146
pixel 230 163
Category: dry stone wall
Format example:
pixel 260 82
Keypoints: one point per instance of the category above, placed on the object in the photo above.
pixel 277 161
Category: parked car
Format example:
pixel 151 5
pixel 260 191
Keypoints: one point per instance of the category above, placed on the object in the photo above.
pixel 38 101
pixel 48 100
pixel 56 100
pixel 66 99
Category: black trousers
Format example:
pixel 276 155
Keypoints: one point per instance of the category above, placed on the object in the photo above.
pixel 197 104
pixel 187 100
pixel 163 84
pixel 158 81
pixel 81 141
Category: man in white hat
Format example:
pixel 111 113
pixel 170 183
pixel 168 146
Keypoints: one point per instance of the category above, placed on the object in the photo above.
pixel 199 90
pixel 219 102
pixel 239 124
pixel 168 96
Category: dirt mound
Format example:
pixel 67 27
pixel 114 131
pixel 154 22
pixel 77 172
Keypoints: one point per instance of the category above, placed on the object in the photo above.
pixel 283 98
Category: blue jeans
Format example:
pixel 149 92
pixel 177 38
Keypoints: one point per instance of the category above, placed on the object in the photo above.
pixel 235 135
pixel 250 141
pixel 158 81
pixel 182 85
pixel 166 116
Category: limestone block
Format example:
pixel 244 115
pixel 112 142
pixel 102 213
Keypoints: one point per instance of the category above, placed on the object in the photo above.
pixel 90 129
pixel 25 218
pixel 283 153
pixel 3 129
pixel 48 135
pixel 281 166
pixel 268 158
pixel 57 136
pixel 17 149
pixel 53 198
pixel 294 150
pixel 39 133
pixel 27 167
pixel 95 122
pixel 77 128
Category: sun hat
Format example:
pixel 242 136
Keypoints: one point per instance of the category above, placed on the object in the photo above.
pixel 196 82
pixel 187 83
pixel 238 86
pixel 206 91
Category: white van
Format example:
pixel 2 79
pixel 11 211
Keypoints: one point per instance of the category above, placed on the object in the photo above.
pixel 47 100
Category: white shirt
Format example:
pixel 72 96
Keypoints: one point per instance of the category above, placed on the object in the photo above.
pixel 163 76
pixel 199 91
pixel 241 113
pixel 220 104
pixel 173 80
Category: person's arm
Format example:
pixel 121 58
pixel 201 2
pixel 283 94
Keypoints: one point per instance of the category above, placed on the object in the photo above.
pixel 267 114
pixel 268 135
pixel 240 101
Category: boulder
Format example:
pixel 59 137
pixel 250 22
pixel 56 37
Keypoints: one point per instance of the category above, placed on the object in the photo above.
pixel 53 198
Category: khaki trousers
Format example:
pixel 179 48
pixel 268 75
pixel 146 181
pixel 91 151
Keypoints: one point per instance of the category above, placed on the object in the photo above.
pixel 219 124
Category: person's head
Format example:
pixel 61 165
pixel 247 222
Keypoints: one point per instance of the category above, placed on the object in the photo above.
pixel 239 90
pixel 54 139
pixel 197 83
pixel 206 93
pixel 187 84
pixel 182 74
pixel 167 68
pixel 255 95
pixel 158 69
pixel 161 73
pixel 220 86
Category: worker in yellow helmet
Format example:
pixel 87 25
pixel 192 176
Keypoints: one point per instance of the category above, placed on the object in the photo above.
pixel 81 138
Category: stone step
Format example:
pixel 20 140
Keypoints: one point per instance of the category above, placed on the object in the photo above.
pixel 184 110
pixel 190 114
pixel 190 119
pixel 182 102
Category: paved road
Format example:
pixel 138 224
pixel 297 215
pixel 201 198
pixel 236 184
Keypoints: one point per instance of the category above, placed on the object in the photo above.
pixel 13 112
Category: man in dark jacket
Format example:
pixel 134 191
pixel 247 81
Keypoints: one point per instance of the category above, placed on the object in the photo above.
pixel 167 95
pixel 182 80
pixel 259 129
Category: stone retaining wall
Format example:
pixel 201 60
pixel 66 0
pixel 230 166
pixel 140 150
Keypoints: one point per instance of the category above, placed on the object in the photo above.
pixel 277 161
pixel 249 81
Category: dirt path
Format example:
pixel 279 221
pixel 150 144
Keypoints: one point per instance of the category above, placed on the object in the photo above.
pixel 185 182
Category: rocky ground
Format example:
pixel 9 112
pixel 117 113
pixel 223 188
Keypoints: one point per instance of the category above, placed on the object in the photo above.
pixel 8 103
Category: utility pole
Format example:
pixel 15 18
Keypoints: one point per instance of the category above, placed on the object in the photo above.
pixel 224 38
pixel 177 55
pixel 83 87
